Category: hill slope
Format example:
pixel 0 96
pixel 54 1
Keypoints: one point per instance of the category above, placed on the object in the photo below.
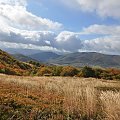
pixel 44 56
pixel 10 65
pixel 88 58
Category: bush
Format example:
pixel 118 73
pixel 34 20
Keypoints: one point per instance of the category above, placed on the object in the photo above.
pixel 37 64
pixel 43 71
pixel 87 72
pixel 69 71
pixel 57 70
pixel 106 76
pixel 117 77
pixel 98 72
pixel 2 70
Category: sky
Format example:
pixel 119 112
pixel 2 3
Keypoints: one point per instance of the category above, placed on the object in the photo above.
pixel 61 25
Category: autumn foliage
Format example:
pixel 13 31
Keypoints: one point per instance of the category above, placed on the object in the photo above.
pixel 11 66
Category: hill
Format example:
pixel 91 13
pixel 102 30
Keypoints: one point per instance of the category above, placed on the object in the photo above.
pixel 88 58
pixel 23 58
pixel 10 65
pixel 44 56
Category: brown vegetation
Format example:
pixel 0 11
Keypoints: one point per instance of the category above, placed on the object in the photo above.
pixel 58 98
pixel 11 66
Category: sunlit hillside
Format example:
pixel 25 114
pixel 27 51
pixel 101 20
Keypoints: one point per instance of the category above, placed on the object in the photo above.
pixel 58 98
pixel 10 65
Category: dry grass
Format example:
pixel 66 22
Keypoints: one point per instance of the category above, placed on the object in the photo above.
pixel 111 104
pixel 58 98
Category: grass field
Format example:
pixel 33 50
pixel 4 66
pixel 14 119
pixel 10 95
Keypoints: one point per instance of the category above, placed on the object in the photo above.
pixel 58 98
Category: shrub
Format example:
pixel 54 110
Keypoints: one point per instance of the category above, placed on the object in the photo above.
pixel 57 70
pixel 107 76
pixel 69 71
pixel 2 70
pixel 113 71
pixel 98 72
pixel 117 77
pixel 34 71
pixel 87 72
pixel 37 64
pixel 43 71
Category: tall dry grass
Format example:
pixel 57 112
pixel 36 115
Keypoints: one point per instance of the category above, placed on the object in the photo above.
pixel 63 98
pixel 111 105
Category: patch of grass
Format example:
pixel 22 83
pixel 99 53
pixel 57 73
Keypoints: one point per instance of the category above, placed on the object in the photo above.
pixel 115 89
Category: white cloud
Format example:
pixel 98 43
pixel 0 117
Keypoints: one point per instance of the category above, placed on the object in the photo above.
pixel 21 29
pixel 68 41
pixel 14 2
pixel 17 16
pixel 28 46
pixel 13 35
pixel 104 8
pixel 65 41
pixel 108 44
pixel 102 29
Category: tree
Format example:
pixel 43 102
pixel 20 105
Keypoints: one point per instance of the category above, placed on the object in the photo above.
pixel 87 72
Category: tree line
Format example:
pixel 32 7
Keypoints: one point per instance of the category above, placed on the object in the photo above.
pixel 37 69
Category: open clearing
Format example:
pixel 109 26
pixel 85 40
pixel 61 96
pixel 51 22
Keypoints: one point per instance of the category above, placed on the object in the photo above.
pixel 58 98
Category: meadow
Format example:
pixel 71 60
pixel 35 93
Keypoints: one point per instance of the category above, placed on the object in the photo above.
pixel 58 98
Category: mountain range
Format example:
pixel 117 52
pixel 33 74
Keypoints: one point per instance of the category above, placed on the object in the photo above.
pixel 23 58
pixel 77 59
pixel 44 56
pixel 88 58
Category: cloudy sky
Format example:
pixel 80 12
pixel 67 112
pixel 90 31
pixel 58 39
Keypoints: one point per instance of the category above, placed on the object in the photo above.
pixel 61 25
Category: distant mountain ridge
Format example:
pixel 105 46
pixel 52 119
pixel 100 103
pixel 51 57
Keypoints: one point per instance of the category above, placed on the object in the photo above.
pixel 88 58
pixel 25 52
pixel 44 56
pixel 23 58
pixel 77 59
